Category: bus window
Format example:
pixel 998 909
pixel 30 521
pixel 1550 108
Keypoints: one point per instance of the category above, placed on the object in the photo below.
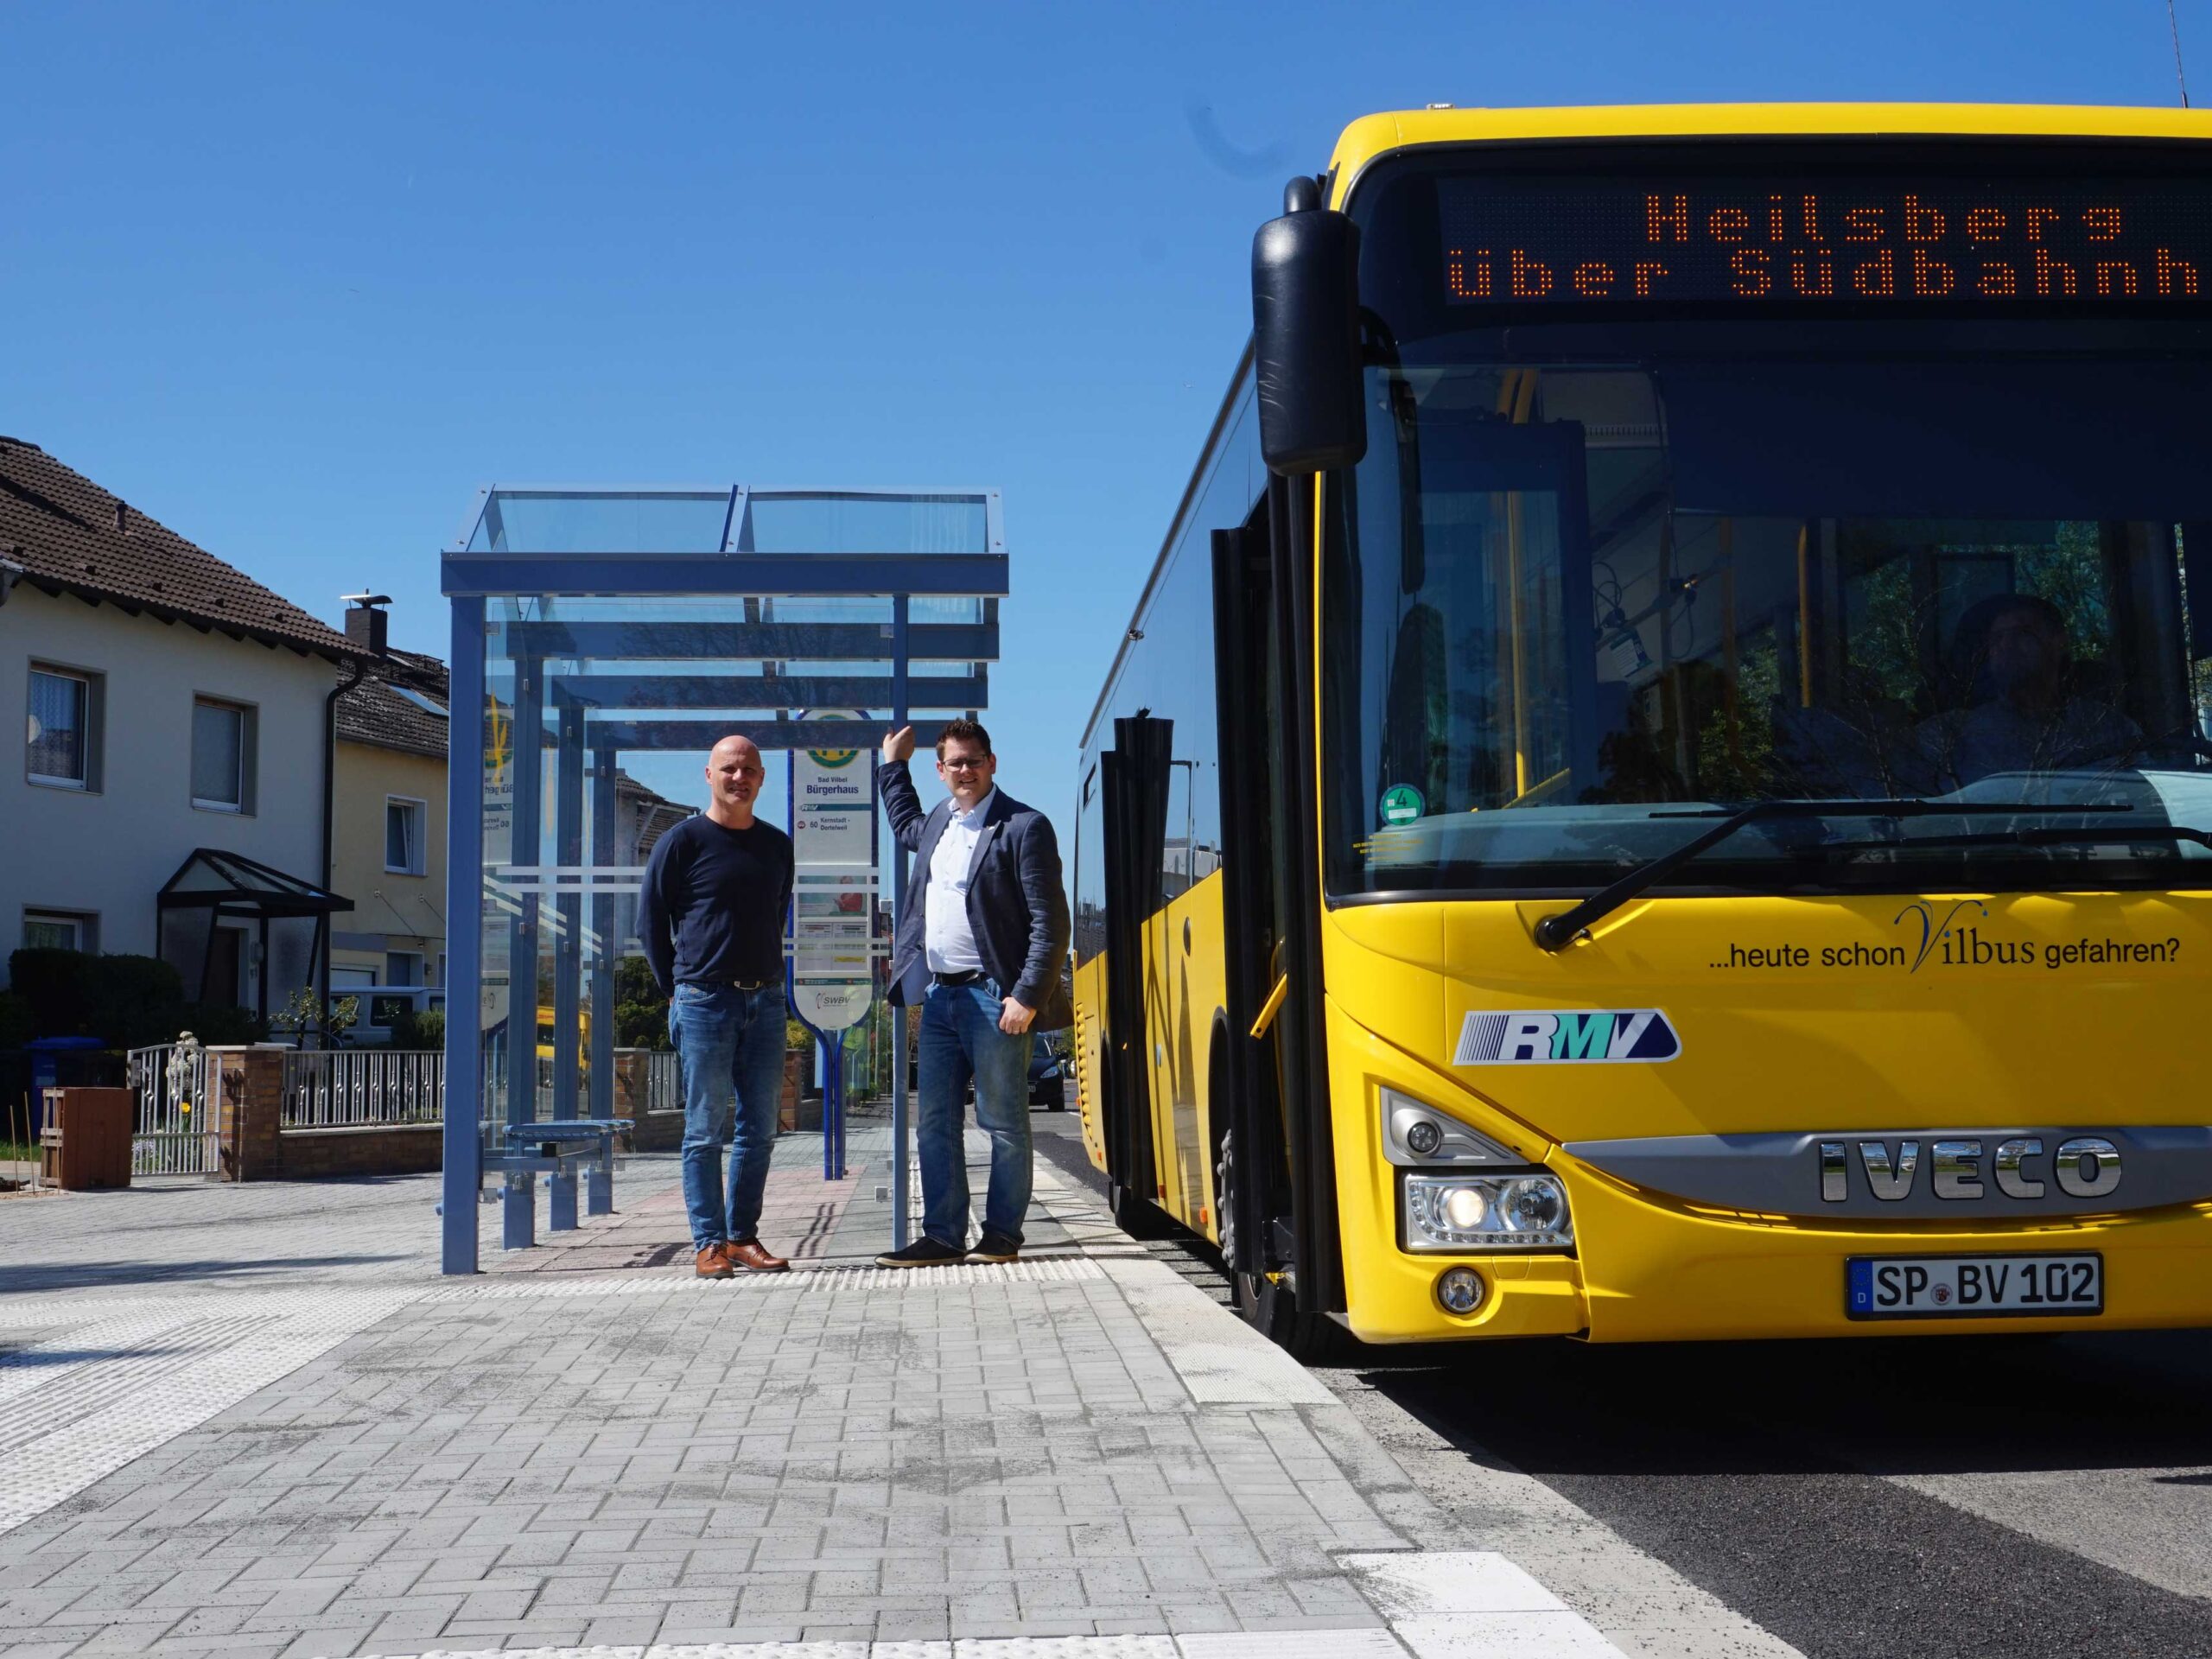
pixel 1089 921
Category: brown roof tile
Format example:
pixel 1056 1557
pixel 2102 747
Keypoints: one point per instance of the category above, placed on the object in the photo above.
pixel 70 535
pixel 377 711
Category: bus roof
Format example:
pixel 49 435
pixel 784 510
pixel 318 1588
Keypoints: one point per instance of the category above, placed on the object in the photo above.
pixel 1374 136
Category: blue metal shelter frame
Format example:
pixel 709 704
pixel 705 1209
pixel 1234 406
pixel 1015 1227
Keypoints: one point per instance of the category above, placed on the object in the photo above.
pixel 592 622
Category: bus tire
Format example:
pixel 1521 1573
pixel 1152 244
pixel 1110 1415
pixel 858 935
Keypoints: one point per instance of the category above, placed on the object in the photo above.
pixel 1263 1300
pixel 1138 1218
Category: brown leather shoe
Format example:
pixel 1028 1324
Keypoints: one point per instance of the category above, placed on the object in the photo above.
pixel 712 1262
pixel 752 1256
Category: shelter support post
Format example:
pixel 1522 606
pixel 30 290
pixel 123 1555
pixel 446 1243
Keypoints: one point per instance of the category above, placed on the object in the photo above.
pixel 464 1111
pixel 518 1218
pixel 567 949
pixel 605 947
pixel 902 1129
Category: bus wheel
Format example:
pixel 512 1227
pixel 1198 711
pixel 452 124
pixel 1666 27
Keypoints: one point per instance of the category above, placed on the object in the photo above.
pixel 1263 1301
pixel 1138 1218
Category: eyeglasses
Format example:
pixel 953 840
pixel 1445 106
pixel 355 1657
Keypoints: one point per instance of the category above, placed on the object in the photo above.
pixel 963 762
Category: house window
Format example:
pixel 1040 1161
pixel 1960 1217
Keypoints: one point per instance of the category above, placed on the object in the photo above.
pixel 64 750
pixel 402 968
pixel 59 929
pixel 222 755
pixel 403 836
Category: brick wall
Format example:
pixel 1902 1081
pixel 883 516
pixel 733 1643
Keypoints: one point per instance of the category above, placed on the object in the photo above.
pixel 374 1149
pixel 252 1112
pixel 256 1147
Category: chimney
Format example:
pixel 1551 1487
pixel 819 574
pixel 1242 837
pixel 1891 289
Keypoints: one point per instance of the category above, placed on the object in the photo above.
pixel 366 622
pixel 121 518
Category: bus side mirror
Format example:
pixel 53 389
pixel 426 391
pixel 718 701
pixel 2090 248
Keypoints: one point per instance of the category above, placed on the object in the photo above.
pixel 1305 336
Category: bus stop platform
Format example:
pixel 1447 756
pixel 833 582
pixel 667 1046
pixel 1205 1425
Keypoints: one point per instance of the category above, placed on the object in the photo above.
pixel 255 1420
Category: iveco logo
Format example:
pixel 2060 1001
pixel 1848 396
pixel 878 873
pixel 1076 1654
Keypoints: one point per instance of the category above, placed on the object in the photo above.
pixel 2083 1166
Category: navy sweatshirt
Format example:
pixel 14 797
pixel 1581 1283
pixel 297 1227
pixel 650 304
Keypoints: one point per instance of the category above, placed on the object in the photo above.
pixel 714 902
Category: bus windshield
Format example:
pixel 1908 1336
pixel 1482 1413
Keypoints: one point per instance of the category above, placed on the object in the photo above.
pixel 1572 608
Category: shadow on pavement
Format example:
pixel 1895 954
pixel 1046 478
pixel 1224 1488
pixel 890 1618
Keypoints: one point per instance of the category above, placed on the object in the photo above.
pixel 110 1275
pixel 1907 1406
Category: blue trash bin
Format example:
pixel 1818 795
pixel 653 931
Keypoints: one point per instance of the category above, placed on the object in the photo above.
pixel 45 1054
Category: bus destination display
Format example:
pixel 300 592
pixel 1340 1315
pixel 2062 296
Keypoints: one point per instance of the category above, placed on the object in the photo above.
pixel 2090 246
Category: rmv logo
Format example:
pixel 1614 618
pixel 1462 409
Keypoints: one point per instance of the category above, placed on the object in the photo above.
pixel 1549 1037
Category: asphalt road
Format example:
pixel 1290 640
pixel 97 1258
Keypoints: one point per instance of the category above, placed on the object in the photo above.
pixel 1909 1498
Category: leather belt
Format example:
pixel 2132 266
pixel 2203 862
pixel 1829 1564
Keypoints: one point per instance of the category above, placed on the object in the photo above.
pixel 970 977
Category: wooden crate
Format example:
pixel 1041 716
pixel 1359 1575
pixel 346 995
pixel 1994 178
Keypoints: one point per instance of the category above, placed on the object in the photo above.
pixel 87 1142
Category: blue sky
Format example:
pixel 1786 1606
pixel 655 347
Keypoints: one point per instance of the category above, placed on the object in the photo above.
pixel 298 278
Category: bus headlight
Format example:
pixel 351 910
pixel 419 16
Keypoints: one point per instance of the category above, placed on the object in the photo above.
pixel 1522 1211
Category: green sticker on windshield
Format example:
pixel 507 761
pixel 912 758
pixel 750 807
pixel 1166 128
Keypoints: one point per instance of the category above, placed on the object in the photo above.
pixel 1401 804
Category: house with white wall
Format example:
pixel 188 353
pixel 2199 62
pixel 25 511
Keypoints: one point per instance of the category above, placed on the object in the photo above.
pixel 173 715
pixel 389 837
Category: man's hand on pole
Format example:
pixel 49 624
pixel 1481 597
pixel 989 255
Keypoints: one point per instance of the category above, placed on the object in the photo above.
pixel 897 746
pixel 1014 1019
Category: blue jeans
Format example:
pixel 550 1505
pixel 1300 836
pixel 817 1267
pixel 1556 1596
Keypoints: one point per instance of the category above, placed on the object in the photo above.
pixel 729 1047
pixel 960 1039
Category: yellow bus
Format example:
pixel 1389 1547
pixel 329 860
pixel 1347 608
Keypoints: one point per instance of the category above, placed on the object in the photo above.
pixel 1658 786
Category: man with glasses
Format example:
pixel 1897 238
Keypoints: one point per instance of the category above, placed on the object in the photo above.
pixel 979 948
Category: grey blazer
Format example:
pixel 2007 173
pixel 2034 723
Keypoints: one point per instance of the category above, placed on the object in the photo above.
pixel 1015 902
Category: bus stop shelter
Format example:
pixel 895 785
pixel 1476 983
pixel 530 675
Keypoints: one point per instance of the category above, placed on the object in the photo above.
pixel 595 633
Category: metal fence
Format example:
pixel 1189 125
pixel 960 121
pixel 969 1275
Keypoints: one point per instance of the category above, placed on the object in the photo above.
pixel 344 1088
pixel 174 1126
pixel 349 1088
pixel 663 1090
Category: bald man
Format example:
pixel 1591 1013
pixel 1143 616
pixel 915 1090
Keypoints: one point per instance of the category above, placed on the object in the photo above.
pixel 712 921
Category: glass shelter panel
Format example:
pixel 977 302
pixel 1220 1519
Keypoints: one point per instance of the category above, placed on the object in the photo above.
pixel 598 711
pixel 832 523
pixel 567 521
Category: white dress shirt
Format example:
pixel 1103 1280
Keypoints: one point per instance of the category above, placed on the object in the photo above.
pixel 948 940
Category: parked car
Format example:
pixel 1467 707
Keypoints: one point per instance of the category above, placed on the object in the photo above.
pixel 1048 1081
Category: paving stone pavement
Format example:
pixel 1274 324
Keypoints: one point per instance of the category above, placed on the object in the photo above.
pixel 253 1420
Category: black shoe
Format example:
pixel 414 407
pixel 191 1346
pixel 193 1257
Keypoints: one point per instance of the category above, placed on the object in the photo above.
pixel 924 1252
pixel 994 1247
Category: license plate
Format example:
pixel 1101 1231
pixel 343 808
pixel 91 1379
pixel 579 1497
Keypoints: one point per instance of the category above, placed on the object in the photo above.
pixel 1973 1287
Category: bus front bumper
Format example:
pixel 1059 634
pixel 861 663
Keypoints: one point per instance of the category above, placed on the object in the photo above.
pixel 1646 1271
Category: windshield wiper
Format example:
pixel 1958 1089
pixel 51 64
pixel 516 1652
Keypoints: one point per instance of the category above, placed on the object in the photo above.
pixel 1557 932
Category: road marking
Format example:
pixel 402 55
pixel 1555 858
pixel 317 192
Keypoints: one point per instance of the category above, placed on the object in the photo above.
pixel 1408 1583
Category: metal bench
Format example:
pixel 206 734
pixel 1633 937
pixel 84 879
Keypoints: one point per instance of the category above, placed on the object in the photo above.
pixel 557 1149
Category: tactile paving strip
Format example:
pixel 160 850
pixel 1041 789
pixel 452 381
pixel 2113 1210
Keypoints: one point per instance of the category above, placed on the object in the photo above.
pixel 1048 1270
pixel 103 1387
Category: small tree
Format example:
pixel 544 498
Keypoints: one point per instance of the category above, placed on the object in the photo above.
pixel 302 1014
pixel 640 1011
pixel 426 1030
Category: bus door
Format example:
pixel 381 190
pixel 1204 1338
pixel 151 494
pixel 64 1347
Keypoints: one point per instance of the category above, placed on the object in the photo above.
pixel 1244 1089
pixel 1133 779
